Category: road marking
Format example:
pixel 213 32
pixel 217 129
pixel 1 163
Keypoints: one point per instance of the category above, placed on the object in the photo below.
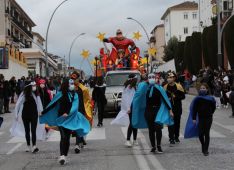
pixel 1 133
pixel 16 140
pixel 231 128
pixel 14 148
pixel 141 161
pixel 97 134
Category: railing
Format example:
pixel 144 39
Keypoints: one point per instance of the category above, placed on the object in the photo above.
pixel 22 27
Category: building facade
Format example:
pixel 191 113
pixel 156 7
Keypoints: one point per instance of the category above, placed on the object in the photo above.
pixel 181 20
pixel 159 36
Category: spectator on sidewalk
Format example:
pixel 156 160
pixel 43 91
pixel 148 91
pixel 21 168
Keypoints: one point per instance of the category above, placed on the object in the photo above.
pixel 217 92
pixel 7 96
pixel 1 93
pixel 13 84
pixel 231 100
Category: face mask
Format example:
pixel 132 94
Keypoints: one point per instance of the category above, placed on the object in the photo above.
pixel 202 92
pixel 152 81
pixel 170 80
pixel 34 88
pixel 42 86
pixel 72 87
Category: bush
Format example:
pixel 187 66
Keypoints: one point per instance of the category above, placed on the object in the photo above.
pixel 179 57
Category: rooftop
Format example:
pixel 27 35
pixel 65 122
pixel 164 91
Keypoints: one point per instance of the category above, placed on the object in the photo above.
pixel 187 5
pixel 156 27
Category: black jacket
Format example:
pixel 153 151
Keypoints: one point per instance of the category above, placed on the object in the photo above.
pixel 98 94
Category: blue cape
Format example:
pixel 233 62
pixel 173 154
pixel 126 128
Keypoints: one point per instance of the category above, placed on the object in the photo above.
pixel 139 106
pixel 191 129
pixel 75 121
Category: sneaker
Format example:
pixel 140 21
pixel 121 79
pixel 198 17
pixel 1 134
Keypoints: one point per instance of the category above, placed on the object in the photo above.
pixel 128 144
pixel 81 145
pixel 159 149
pixel 153 150
pixel 35 149
pixel 206 153
pixel 77 149
pixel 135 143
pixel 99 125
pixel 28 149
pixel 62 160
pixel 177 140
pixel 172 142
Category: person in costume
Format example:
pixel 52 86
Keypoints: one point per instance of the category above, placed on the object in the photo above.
pixel 120 42
pixel 151 109
pixel 125 115
pixel 176 94
pixel 27 110
pixel 85 106
pixel 63 113
pixel 98 95
pixel 200 118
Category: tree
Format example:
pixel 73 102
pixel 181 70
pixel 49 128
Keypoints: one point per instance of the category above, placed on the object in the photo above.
pixel 179 57
pixel 170 49
pixel 196 52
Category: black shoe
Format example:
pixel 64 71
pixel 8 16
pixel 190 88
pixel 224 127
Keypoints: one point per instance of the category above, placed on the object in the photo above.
pixel 84 142
pixel 177 140
pixel 153 150
pixel 35 150
pixel 77 150
pixel 206 153
pixel 159 149
pixel 99 125
pixel 172 142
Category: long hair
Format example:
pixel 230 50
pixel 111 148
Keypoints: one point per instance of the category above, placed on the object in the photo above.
pixel 64 87
pixel 27 92
pixel 131 83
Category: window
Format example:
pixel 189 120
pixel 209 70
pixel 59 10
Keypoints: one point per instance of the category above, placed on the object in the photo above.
pixel 185 15
pixel 194 15
pixel 185 30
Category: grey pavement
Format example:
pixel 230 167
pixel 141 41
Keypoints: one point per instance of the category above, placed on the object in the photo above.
pixel 106 150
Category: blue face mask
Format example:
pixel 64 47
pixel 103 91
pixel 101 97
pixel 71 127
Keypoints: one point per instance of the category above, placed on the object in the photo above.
pixel 152 81
pixel 202 92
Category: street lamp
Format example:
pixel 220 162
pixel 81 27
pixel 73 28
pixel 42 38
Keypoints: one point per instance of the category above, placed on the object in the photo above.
pixel 47 32
pixel 72 44
pixel 130 18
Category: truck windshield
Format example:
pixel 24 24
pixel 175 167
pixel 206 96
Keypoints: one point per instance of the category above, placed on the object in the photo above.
pixel 118 79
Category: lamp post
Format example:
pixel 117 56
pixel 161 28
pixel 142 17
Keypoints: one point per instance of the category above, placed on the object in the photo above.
pixel 72 44
pixel 47 32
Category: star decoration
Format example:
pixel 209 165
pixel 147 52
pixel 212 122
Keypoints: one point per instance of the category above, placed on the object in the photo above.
pixel 152 51
pixel 85 54
pixel 143 60
pixel 101 36
pixel 137 35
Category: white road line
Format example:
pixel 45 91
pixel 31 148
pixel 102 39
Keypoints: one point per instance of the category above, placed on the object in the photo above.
pixel 14 148
pixel 141 161
pixel 16 140
pixel 97 134
pixel 231 128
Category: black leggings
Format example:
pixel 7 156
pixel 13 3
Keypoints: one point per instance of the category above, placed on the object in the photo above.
pixel 65 140
pixel 33 122
pixel 131 129
pixel 204 132
pixel 6 105
pixel 174 130
pixel 100 106
pixel 153 127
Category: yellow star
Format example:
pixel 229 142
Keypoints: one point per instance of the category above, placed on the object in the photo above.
pixel 85 54
pixel 143 61
pixel 101 36
pixel 152 51
pixel 137 35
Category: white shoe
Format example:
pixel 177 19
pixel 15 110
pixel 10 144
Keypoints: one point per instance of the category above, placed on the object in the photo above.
pixel 62 160
pixel 128 144
pixel 135 143
pixel 35 149
pixel 28 149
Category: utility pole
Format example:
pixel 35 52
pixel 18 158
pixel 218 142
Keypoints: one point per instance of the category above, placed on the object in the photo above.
pixel 219 55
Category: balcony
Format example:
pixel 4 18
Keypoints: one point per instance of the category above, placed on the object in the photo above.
pixel 15 20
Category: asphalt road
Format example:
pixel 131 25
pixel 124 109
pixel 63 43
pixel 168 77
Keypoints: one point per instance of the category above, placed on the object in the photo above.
pixel 106 150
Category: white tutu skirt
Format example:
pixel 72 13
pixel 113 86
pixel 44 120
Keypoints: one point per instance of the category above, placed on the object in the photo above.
pixel 121 119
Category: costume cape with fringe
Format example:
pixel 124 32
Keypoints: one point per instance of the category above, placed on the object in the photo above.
pixel 191 129
pixel 75 121
pixel 139 105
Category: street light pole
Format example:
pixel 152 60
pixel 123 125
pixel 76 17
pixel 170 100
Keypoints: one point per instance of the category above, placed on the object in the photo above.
pixel 72 44
pixel 47 32
pixel 219 55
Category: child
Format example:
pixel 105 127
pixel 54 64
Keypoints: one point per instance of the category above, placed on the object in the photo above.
pixel 201 117
pixel 231 100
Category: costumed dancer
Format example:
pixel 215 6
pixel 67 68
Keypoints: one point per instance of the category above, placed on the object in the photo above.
pixel 85 107
pixel 27 110
pixel 99 98
pixel 152 109
pixel 200 118
pixel 63 113
pixel 176 94
pixel 125 115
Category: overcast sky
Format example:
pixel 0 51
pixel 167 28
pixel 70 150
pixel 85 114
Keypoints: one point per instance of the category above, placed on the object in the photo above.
pixel 92 17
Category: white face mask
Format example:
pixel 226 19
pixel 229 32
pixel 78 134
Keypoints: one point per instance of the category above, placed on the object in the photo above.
pixel 152 81
pixel 34 88
pixel 42 86
pixel 72 87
